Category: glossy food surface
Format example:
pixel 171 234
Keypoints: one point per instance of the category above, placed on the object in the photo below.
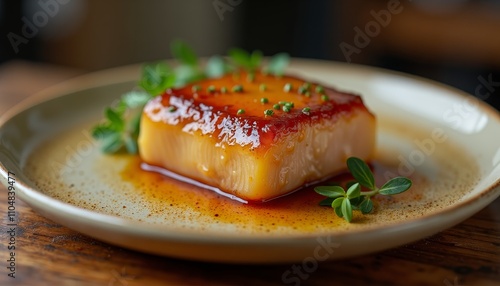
pixel 255 137
pixel 232 109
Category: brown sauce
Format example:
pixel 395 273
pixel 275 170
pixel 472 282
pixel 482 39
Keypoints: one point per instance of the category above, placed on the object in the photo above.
pixel 71 168
pixel 299 209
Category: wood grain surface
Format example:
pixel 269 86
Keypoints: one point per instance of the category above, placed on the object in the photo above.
pixel 49 254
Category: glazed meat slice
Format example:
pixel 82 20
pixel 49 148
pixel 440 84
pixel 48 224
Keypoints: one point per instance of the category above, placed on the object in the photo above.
pixel 255 136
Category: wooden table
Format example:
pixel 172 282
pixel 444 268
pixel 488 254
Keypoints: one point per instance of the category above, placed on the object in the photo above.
pixel 50 254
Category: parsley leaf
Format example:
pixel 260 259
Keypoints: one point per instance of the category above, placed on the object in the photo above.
pixel 216 67
pixel 156 78
pixel 135 99
pixel 278 63
pixel 245 60
pixel 184 53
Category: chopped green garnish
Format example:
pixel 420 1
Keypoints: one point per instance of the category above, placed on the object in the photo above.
pixel 240 111
pixel 287 87
pixel 325 97
pixel 286 108
pixel 196 88
pixel 320 89
pixel 306 110
pixel 277 106
pixel 264 100
pixel 237 88
pixel 268 112
pixel 223 89
pixel 262 87
pixel 345 201
pixel 211 89
pixel 302 90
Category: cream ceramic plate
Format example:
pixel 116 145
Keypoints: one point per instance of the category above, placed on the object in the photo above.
pixel 442 138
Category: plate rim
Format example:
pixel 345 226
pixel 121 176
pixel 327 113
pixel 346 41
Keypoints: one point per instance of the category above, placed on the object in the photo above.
pixel 102 78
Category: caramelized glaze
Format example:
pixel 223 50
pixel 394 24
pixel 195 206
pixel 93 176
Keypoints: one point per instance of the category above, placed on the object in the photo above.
pixel 196 108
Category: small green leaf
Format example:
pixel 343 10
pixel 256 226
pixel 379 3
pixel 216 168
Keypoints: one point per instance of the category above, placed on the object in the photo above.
pixel 184 53
pixel 240 57
pixel 330 191
pixel 361 172
pixel 115 119
pixel 255 60
pixel 185 74
pixel 350 183
pixel 156 78
pixel 278 64
pixel 338 212
pixel 112 143
pixel 216 67
pixel 130 145
pixel 135 99
pixel 354 191
pixel 326 202
pixel 395 186
pixel 337 202
pixel 101 131
pixel 135 125
pixel 347 210
pixel 366 206
pixel 356 201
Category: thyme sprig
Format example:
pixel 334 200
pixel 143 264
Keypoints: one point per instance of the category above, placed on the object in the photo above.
pixel 345 200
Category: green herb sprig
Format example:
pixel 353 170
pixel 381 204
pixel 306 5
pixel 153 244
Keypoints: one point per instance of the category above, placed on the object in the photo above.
pixel 248 61
pixel 344 201
pixel 120 127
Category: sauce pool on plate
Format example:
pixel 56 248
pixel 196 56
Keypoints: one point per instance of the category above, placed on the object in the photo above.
pixel 117 185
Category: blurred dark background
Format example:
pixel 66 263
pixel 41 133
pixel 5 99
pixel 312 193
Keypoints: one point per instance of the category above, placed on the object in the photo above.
pixel 456 42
